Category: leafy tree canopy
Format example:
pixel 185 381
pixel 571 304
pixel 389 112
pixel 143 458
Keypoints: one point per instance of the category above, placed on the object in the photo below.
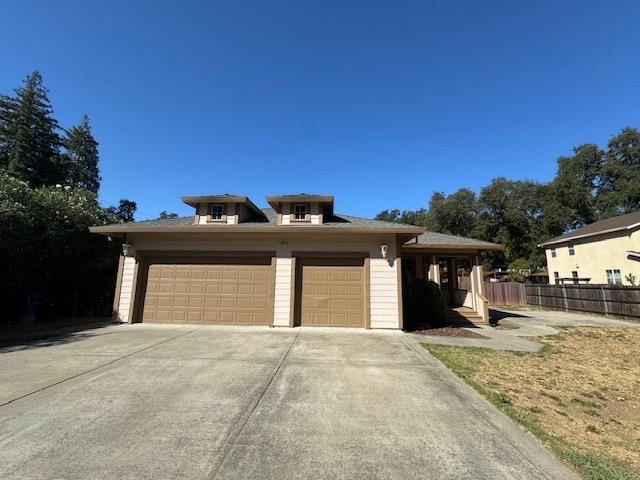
pixel 45 234
pixel 165 214
pixel 124 211
pixel 589 185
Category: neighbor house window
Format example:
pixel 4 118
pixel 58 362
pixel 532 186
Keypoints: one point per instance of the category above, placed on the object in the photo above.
pixel 553 252
pixel 217 212
pixel 300 211
pixel 572 251
pixel 556 277
pixel 574 275
pixel 614 277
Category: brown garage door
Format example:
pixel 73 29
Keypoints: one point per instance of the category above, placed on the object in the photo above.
pixel 333 293
pixel 235 292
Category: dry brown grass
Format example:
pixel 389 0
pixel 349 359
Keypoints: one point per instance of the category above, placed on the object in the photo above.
pixel 580 395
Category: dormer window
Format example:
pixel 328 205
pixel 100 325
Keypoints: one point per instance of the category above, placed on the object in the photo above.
pixel 302 208
pixel 300 211
pixel 217 212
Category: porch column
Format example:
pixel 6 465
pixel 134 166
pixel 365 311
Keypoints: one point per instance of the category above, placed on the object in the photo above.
pixel 477 287
pixel 452 275
pixel 284 302
pixel 478 270
pixel 434 273
pixel 474 286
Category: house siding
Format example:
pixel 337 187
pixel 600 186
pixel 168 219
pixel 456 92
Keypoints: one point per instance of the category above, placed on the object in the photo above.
pixel 282 299
pixel 594 255
pixel 126 289
pixel 383 290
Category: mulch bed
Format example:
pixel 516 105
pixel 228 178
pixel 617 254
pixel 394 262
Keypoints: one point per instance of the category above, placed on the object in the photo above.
pixel 449 332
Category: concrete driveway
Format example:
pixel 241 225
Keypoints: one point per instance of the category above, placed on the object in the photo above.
pixel 160 402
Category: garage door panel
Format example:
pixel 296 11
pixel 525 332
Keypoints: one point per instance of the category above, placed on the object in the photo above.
pixel 355 304
pixel 354 290
pixel 195 302
pixel 211 317
pixel 181 288
pixel 213 288
pixel 213 275
pixel 229 288
pixel 332 293
pixel 224 293
pixel 320 289
pixel 244 303
pixel 260 289
pixel 260 303
pixel 194 316
pixel 198 274
pixel 168 273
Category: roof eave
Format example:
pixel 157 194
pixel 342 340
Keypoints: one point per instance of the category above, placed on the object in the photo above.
pixel 275 200
pixel 118 230
pixel 455 246
pixel 194 200
pixel 587 235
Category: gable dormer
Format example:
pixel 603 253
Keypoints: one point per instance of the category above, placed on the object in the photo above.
pixel 222 209
pixel 302 208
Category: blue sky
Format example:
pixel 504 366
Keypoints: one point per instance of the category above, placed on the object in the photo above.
pixel 377 103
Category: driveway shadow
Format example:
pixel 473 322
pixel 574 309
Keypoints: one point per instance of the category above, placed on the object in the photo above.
pixel 48 334
pixel 497 315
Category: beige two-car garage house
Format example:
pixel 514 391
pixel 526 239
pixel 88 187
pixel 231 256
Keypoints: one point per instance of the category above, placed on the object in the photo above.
pixel 297 263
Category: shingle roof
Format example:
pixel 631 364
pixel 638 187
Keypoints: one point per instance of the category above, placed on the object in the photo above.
pixel 268 220
pixel 435 239
pixel 295 195
pixel 613 224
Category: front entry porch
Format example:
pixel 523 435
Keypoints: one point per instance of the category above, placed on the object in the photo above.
pixel 460 278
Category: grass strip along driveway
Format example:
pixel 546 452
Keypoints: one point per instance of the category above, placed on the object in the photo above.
pixel 580 395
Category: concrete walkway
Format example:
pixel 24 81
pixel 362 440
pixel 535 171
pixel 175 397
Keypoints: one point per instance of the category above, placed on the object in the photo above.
pixel 527 323
pixel 189 402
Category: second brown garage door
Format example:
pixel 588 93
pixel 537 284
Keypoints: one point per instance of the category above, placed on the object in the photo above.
pixel 332 292
pixel 230 291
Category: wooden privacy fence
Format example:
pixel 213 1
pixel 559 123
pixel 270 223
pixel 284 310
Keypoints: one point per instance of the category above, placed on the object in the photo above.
pixel 614 300
pixel 505 293
pixel 499 293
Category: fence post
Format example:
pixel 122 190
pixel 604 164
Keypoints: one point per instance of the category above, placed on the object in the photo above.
pixel 539 297
pixel 604 301
pixel 564 296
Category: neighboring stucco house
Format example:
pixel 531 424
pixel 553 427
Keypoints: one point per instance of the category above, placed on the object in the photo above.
pixel 297 263
pixel 607 251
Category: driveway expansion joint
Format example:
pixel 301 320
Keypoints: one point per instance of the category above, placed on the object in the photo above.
pixel 232 439
pixel 46 387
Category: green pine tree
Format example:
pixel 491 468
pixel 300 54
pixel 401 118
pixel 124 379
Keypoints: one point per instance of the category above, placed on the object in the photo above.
pixel 81 157
pixel 29 140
